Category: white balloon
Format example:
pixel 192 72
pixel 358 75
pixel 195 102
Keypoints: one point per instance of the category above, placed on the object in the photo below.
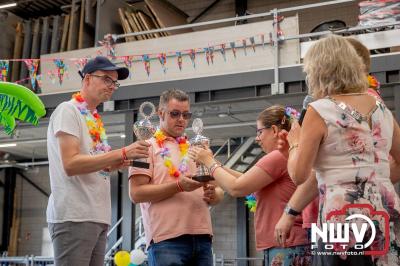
pixel 137 256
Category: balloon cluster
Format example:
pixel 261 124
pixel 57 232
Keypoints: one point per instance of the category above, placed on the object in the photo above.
pixel 135 258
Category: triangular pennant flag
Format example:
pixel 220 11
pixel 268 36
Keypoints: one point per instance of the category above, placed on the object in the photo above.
pixel 223 46
pixel 61 69
pixel 263 40
pixel 244 43
pixel 211 53
pixel 163 60
pixel 233 48
pixel 80 63
pixel 253 43
pixel 192 55
pixel 52 76
pixel 39 80
pixel 128 61
pixel 146 61
pixel 179 60
pixel 4 67
pixel 32 65
pixel 207 53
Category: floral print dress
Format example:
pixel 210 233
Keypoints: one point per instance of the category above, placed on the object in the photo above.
pixel 352 167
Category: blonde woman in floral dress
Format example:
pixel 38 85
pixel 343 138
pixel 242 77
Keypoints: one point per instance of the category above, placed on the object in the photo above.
pixel 347 137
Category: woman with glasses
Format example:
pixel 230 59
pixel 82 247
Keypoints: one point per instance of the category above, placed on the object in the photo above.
pixel 273 187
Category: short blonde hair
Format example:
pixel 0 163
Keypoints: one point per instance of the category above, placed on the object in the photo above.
pixel 333 66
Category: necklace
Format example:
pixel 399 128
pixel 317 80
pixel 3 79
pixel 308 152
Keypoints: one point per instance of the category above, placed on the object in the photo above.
pixel 94 124
pixel 166 153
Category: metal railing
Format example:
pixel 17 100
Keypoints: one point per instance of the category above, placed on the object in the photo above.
pixel 275 87
pixel 232 19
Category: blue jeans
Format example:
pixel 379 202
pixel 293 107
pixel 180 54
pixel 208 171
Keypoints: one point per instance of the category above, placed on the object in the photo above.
pixel 185 250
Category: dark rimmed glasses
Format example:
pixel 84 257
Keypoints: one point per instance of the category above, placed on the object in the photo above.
pixel 260 130
pixel 108 81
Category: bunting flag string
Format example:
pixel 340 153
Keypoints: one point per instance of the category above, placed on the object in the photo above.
pixel 32 65
pixel 61 64
pixel 4 66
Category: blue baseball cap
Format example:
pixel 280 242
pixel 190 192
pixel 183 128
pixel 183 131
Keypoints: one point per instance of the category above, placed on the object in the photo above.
pixel 102 63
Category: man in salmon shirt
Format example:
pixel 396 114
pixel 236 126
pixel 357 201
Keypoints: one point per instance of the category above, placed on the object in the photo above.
pixel 174 207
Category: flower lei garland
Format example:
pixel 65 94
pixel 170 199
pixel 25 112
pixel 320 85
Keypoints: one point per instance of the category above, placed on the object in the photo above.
pixel 94 124
pixel 166 153
pixel 373 82
pixel 251 202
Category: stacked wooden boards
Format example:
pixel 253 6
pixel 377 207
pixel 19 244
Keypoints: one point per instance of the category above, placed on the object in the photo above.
pixel 152 14
pixel 73 30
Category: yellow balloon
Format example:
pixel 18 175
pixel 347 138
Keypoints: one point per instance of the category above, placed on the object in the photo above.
pixel 122 258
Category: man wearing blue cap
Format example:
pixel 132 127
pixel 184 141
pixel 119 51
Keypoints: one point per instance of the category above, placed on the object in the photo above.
pixel 80 160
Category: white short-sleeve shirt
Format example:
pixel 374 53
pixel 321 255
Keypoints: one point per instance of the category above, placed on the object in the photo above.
pixel 80 198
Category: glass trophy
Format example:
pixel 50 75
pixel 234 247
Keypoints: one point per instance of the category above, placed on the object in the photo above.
pixel 202 172
pixel 144 129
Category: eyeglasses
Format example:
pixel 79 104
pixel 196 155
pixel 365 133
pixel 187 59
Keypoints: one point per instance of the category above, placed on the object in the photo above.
pixel 177 114
pixel 108 81
pixel 259 131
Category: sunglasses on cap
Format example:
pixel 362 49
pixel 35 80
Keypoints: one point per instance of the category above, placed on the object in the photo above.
pixel 174 114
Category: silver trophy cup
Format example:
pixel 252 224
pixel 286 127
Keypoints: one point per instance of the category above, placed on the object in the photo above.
pixel 202 173
pixel 144 129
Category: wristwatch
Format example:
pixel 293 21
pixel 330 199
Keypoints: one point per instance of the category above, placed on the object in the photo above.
pixel 288 210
